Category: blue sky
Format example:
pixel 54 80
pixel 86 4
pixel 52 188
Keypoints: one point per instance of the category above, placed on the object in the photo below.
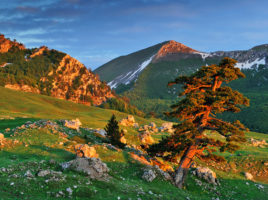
pixel 96 31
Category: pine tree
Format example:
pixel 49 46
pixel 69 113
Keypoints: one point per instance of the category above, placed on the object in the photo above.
pixel 113 132
pixel 204 96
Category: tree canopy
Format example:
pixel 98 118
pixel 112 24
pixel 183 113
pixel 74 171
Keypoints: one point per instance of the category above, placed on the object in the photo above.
pixel 204 95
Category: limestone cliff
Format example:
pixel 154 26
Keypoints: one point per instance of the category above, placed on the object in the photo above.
pixel 74 82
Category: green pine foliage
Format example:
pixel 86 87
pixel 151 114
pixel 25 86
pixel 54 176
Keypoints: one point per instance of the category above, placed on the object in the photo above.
pixel 203 98
pixel 113 132
pixel 121 104
pixel 23 70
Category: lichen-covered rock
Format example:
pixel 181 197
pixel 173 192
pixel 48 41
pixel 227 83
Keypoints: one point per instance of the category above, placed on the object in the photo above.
pixel 85 151
pixel 93 167
pixel 206 174
pixel 149 175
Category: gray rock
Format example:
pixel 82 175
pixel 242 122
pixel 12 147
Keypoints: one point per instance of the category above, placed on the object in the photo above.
pixel 149 175
pixel 28 174
pixel 206 174
pixel 93 167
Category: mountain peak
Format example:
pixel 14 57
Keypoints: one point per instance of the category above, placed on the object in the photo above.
pixel 174 47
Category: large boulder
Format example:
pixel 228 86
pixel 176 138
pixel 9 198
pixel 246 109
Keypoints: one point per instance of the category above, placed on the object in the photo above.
pixel 149 175
pixel 73 124
pixel 92 167
pixel 129 121
pixel 102 132
pixel 167 126
pixel 85 151
pixel 206 174
pixel 146 138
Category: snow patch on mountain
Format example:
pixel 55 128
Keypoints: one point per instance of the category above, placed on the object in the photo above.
pixel 249 64
pixel 130 76
pixel 203 54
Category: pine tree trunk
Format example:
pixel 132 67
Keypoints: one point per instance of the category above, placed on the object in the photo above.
pixel 185 163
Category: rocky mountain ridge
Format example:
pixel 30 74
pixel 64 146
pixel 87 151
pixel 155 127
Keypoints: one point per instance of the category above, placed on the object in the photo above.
pixel 6 44
pixel 173 51
pixel 45 71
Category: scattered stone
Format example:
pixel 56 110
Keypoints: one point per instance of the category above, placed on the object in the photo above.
pixel 149 175
pixel 258 143
pixel 46 172
pixel 73 124
pixel 85 151
pixel 206 174
pixel 152 124
pixel 93 167
pixel 248 176
pixel 69 190
pixel 28 174
pixel 136 125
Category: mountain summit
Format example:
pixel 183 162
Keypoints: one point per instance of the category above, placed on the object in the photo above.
pixel 174 47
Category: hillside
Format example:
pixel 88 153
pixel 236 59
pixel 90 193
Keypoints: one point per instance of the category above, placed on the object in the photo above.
pixel 149 92
pixel 32 152
pixel 50 72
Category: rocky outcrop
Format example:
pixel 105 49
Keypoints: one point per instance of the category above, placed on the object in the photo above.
pixel 93 167
pixel 258 143
pixel 73 124
pixel 6 44
pixel 167 127
pixel 39 51
pixel 128 121
pixel 146 138
pixel 85 151
pixel 248 176
pixel 149 175
pixel 24 88
pixel 74 82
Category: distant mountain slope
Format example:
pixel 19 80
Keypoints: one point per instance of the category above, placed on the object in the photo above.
pixel 49 72
pixel 125 69
pixel 149 92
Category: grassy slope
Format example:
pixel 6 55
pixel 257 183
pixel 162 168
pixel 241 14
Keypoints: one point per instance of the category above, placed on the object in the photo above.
pixel 124 64
pixel 20 104
pixel 126 179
